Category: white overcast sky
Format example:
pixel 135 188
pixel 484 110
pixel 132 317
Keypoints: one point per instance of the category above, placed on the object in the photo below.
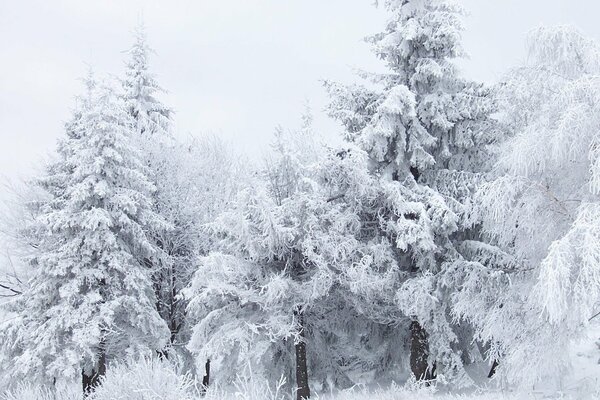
pixel 236 68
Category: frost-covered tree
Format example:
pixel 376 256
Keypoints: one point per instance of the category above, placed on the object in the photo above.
pixel 275 292
pixel 543 209
pixel 196 182
pixel 250 294
pixel 90 300
pixel 426 131
pixel 141 90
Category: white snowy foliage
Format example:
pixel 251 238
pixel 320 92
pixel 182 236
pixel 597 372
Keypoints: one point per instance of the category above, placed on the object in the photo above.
pixel 428 135
pixel 289 247
pixel 543 206
pixel 195 180
pixel 141 88
pixel 145 379
pixel 89 290
pixel 424 114
pixel 457 225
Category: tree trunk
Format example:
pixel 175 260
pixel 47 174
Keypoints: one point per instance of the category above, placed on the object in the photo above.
pixel 303 391
pixel 206 377
pixel 91 379
pixel 419 353
pixel 484 351
pixel 493 369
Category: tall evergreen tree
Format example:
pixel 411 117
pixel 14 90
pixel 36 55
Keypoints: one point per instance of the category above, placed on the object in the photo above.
pixel 426 131
pixel 275 291
pixel 141 89
pixel 90 300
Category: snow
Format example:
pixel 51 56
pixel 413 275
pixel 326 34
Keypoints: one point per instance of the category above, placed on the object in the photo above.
pixel 454 228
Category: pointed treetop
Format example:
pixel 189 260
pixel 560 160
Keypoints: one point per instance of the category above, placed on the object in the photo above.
pixel 141 88
pixel 89 80
pixel 139 50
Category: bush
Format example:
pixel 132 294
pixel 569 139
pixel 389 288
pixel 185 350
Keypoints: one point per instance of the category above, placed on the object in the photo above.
pixel 30 392
pixel 249 386
pixel 145 380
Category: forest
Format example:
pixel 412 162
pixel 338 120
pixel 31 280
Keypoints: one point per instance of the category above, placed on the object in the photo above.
pixel 447 246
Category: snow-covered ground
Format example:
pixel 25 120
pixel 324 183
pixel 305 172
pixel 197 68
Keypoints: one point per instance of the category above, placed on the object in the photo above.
pixel 152 380
pixel 387 394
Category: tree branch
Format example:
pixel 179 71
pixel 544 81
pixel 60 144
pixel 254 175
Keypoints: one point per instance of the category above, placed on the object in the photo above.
pixel 337 197
pixel 14 292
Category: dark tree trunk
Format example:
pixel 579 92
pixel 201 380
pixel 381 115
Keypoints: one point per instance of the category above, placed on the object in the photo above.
pixel 419 353
pixel 206 377
pixel 484 351
pixel 493 369
pixel 419 344
pixel 303 391
pixel 167 305
pixel 91 379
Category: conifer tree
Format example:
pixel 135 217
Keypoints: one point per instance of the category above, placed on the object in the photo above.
pixel 90 300
pixel 195 181
pixel 270 292
pixel 141 90
pixel 426 131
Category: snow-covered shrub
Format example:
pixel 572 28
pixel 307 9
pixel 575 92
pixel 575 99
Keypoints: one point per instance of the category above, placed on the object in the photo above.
pixel 249 386
pixel 146 379
pixel 31 392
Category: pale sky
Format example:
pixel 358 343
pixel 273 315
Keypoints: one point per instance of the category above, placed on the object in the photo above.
pixel 236 68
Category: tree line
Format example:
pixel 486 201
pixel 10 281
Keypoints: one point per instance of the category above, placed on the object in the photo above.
pixel 456 225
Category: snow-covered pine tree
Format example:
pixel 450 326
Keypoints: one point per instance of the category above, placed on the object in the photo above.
pixel 543 210
pixel 271 294
pixel 90 300
pixel 426 131
pixel 141 88
pixel 248 294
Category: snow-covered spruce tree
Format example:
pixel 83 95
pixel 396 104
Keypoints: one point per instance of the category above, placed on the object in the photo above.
pixel 195 181
pixel 141 89
pixel 247 293
pixel 90 299
pixel 543 209
pixel 426 131
pixel 269 294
